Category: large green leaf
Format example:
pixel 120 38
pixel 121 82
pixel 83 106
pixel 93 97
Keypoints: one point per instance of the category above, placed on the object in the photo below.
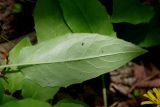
pixel 26 103
pixel 49 20
pixel 70 103
pixel 74 58
pixel 86 16
pixel 131 11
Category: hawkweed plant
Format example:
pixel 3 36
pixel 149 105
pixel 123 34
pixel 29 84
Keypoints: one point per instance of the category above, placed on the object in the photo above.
pixel 153 97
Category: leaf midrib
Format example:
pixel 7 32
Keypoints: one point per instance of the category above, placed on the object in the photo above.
pixel 69 60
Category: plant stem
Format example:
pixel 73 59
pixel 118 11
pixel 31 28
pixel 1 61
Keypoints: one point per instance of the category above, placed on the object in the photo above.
pixel 104 91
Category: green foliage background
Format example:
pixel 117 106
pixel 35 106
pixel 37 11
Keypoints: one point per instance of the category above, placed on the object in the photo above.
pixel 76 42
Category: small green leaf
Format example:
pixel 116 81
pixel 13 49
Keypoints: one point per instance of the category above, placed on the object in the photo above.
pixel 74 58
pixel 135 33
pixel 14 81
pixel 147 35
pixel 33 90
pixel 17 8
pixel 152 38
pixel 136 93
pixel 17 81
pixel 26 103
pixel 49 21
pixel 131 11
pixel 70 103
pixel 86 16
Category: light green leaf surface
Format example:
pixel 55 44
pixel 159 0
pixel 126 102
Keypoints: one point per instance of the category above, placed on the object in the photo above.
pixel 131 11
pixel 70 103
pixel 35 91
pixel 16 81
pixel 49 21
pixel 86 16
pixel 26 103
pixel 15 51
pixel 74 58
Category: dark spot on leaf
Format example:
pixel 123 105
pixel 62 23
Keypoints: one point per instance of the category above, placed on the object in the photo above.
pixel 102 51
pixel 82 43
